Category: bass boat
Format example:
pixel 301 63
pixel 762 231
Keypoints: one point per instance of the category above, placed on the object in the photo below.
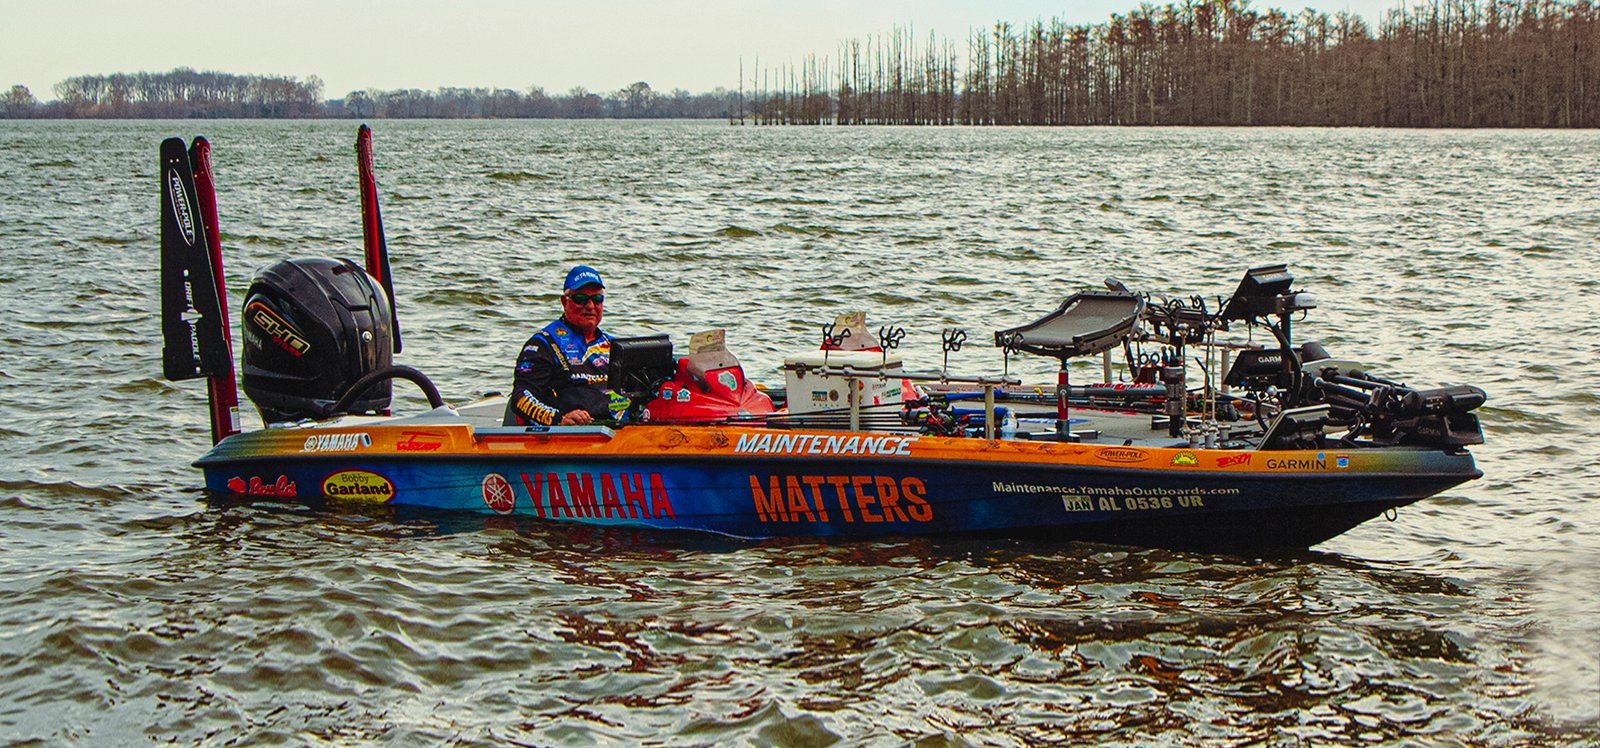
pixel 1207 443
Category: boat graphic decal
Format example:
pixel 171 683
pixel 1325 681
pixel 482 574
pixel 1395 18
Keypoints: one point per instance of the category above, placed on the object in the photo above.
pixel 277 328
pixel 1298 463
pixel 871 498
pixel 598 495
pixel 497 494
pixel 419 441
pixel 337 442
pixel 363 485
pixel 1232 460
pixel 282 486
pixel 1185 458
pixel 180 206
pixel 1123 454
pixel 1003 487
pixel 818 444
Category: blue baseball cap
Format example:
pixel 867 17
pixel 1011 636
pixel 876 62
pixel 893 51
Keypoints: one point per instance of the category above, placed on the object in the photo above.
pixel 581 276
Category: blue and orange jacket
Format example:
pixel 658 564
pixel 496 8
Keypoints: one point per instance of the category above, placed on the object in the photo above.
pixel 559 372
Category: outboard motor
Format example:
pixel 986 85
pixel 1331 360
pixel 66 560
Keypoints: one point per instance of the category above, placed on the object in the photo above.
pixel 312 328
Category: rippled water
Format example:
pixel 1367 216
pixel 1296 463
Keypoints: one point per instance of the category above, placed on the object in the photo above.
pixel 131 610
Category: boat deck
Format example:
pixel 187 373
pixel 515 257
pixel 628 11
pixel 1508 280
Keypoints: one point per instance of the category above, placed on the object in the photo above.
pixel 1034 423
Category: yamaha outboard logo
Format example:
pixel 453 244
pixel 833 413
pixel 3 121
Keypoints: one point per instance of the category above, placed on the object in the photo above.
pixel 337 442
pixel 180 206
pixel 275 327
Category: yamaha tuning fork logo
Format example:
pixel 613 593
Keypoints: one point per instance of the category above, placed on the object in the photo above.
pixel 180 206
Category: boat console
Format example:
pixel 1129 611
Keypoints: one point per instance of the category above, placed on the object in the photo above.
pixel 707 386
pixel 639 365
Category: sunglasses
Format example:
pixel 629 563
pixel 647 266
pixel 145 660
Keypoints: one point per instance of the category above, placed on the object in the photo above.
pixel 583 298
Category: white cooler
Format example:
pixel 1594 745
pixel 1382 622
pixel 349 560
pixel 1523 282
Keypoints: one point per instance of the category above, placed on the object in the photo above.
pixel 810 392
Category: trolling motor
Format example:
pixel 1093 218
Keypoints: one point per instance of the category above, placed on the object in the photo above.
pixel 1390 413
pixel 1330 393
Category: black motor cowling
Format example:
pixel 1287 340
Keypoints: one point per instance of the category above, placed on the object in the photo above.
pixel 311 329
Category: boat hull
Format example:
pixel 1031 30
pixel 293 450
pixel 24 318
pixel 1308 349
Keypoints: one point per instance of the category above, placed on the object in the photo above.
pixel 755 483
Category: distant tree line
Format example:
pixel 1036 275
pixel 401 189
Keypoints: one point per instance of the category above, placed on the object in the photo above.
pixel 636 101
pixel 180 93
pixel 1437 63
pixel 186 93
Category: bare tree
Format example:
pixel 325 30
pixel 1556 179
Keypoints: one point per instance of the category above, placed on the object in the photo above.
pixel 19 103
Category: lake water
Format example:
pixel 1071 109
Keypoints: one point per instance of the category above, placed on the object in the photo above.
pixel 133 611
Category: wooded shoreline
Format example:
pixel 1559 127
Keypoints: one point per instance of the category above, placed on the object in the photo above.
pixel 1440 63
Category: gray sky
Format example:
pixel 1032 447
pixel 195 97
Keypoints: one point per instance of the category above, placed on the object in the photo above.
pixel 602 45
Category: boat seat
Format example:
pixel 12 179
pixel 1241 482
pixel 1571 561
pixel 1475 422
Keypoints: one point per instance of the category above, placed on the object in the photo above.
pixel 1088 322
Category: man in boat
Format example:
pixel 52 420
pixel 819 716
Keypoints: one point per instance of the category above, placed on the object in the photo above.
pixel 561 373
